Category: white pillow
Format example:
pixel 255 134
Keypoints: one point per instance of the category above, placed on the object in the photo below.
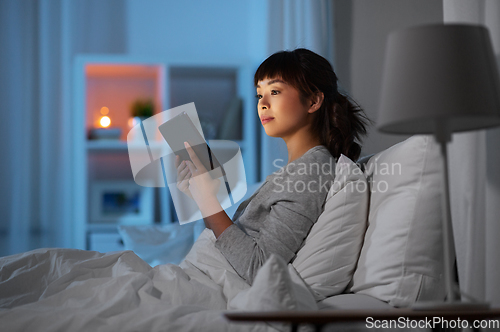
pixel 327 260
pixel 401 259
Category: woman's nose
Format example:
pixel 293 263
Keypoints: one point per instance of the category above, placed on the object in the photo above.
pixel 263 105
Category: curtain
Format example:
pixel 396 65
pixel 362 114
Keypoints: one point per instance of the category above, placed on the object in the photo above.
pixel 294 24
pixel 31 115
pixel 39 39
pixel 474 177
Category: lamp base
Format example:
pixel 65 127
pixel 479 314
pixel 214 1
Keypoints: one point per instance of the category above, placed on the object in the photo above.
pixel 455 306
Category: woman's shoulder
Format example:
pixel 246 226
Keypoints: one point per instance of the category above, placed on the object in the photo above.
pixel 318 153
pixel 315 162
pixel 316 156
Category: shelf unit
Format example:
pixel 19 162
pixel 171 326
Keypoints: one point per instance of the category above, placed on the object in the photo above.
pixel 115 82
pixel 112 145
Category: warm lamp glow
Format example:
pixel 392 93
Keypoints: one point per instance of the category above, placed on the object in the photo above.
pixel 105 121
pixel 104 110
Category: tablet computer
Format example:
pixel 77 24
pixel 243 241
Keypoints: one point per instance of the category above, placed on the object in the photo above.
pixel 181 129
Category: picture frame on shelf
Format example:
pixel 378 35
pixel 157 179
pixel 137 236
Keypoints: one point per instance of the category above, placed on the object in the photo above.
pixel 121 203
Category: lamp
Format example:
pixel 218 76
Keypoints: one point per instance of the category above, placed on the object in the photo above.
pixel 440 79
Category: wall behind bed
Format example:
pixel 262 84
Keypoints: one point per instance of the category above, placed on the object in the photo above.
pixel 361 30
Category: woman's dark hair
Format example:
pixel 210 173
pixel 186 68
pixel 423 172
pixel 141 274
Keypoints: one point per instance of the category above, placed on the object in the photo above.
pixel 339 122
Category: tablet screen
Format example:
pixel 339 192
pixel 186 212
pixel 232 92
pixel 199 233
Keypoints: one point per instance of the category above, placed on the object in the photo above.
pixel 181 129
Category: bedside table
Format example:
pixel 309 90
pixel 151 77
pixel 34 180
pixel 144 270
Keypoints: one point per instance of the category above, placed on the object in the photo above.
pixel 375 318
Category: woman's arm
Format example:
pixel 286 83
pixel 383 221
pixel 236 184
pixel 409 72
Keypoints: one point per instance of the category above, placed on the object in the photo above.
pixel 218 222
pixel 281 232
pixel 278 219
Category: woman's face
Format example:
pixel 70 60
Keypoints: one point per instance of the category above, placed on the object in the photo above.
pixel 282 111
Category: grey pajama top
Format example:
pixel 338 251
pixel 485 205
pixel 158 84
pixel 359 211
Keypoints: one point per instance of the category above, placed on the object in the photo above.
pixel 278 216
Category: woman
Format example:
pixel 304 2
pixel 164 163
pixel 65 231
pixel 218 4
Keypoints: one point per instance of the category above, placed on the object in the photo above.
pixel 299 102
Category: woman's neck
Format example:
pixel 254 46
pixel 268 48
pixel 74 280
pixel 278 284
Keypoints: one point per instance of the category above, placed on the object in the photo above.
pixel 299 144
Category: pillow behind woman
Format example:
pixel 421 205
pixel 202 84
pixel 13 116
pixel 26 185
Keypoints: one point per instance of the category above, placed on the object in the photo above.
pixel 330 252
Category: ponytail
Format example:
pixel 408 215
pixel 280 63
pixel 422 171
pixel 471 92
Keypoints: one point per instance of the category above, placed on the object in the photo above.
pixel 341 126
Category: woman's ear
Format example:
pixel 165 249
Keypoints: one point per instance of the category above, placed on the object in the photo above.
pixel 316 102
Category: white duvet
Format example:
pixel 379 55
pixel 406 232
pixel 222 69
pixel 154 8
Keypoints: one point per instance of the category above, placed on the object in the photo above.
pixel 75 290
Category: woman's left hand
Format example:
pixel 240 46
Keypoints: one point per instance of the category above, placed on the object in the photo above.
pixel 203 188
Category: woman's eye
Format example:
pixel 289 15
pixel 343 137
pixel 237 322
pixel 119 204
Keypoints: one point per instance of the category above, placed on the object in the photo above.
pixel 258 96
pixel 274 92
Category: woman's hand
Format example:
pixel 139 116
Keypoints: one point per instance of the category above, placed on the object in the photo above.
pixel 202 187
pixel 204 191
pixel 183 176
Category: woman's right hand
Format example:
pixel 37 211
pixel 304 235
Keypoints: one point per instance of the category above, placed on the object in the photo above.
pixel 183 176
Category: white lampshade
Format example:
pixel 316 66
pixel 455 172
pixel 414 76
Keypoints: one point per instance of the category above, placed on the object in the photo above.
pixel 439 74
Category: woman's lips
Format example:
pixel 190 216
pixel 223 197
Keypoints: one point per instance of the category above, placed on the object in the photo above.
pixel 266 120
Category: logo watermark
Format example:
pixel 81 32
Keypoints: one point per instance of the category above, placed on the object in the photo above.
pixel 430 323
pixel 320 177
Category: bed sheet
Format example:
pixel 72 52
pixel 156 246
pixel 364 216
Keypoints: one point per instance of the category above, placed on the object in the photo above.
pixel 76 290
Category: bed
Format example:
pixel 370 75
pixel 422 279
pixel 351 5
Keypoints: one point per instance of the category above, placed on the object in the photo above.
pixel 376 245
